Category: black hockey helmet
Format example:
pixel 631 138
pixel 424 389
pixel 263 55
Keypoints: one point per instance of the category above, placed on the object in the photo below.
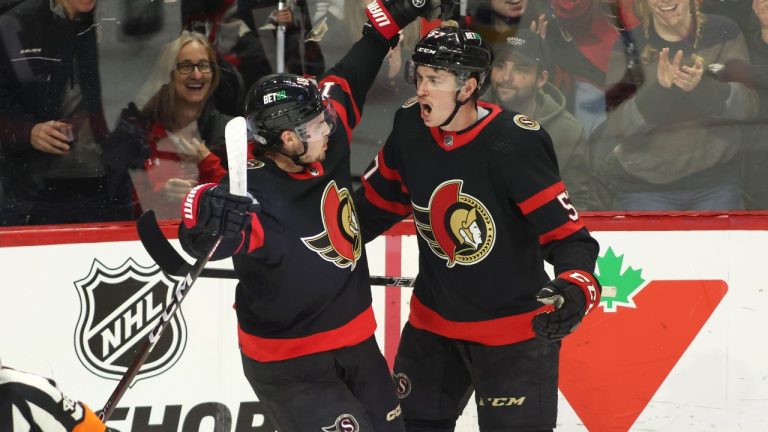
pixel 283 101
pixel 461 51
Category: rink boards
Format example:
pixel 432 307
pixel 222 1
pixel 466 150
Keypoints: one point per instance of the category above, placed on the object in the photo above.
pixel 677 344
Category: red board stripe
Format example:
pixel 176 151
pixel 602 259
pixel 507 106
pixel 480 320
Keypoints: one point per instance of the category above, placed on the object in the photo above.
pixel 392 298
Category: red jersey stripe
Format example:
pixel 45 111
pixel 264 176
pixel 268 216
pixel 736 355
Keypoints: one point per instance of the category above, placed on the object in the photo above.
pixel 542 197
pixel 493 332
pixel 341 111
pixel 265 350
pixel 387 172
pixel 344 86
pixel 256 239
pixel 460 139
pixel 380 202
pixel 560 232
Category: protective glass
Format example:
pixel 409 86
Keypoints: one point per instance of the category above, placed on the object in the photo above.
pixel 186 67
pixel 319 127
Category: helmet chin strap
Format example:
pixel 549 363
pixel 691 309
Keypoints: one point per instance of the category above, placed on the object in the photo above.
pixel 295 158
pixel 459 104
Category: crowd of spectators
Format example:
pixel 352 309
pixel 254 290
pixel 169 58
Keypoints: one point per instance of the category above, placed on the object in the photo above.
pixel 655 105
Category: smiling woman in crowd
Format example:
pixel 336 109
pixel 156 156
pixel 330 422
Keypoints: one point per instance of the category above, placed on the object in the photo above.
pixel 674 143
pixel 176 140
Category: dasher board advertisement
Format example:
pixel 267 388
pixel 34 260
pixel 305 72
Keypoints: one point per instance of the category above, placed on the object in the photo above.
pixel 675 344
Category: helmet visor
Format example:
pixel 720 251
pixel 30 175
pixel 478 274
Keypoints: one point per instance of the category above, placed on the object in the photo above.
pixel 435 78
pixel 318 127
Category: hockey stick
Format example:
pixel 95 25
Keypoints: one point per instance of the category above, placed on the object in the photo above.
pixel 170 309
pixel 236 142
pixel 173 264
pixel 280 42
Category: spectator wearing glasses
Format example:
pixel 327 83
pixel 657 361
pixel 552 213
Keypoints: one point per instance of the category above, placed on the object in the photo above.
pixel 52 127
pixel 176 139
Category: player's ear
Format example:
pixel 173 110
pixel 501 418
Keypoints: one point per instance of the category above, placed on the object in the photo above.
pixel 288 139
pixel 469 87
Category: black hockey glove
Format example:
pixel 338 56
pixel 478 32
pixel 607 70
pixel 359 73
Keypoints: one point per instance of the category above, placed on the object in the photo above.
pixel 389 17
pixel 211 209
pixel 573 294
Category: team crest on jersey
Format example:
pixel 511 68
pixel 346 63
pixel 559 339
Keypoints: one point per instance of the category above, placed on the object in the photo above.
pixel 254 164
pixel 340 242
pixel 410 102
pixel 457 227
pixel 526 122
pixel 343 423
pixel 118 309
pixel 402 385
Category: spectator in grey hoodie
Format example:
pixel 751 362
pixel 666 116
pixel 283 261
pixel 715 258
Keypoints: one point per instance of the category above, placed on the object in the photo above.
pixel 520 82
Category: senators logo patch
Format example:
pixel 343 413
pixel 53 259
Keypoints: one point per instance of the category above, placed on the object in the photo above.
pixel 402 385
pixel 456 226
pixel 254 164
pixel 343 423
pixel 526 122
pixel 340 242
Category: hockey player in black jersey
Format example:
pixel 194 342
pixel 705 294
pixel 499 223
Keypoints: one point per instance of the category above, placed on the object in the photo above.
pixel 483 187
pixel 303 301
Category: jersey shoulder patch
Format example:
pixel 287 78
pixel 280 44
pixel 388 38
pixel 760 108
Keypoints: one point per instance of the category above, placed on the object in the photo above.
pixel 410 102
pixel 254 164
pixel 525 122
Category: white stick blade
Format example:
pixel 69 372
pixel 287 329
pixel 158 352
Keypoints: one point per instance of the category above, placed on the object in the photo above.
pixel 236 135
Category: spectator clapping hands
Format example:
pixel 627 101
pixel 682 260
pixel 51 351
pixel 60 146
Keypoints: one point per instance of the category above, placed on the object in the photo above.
pixel 672 72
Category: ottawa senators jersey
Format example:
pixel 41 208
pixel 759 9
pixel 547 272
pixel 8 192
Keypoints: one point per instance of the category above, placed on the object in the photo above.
pixel 489 209
pixel 306 289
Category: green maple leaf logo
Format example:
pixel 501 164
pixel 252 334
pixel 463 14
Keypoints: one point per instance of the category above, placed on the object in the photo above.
pixel 618 288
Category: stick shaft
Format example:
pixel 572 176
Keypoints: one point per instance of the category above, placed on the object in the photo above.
pixel 179 294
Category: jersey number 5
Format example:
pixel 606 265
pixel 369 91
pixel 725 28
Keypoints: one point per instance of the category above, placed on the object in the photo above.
pixel 565 201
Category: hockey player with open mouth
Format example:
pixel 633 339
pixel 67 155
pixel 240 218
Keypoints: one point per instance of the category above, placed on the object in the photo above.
pixel 483 187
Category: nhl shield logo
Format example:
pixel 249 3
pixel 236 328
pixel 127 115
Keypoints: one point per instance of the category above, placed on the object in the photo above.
pixel 118 309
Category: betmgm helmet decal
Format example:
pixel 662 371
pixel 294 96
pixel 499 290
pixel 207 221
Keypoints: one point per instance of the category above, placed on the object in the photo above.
pixel 456 226
pixel 279 102
pixel 340 242
pixel 118 309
